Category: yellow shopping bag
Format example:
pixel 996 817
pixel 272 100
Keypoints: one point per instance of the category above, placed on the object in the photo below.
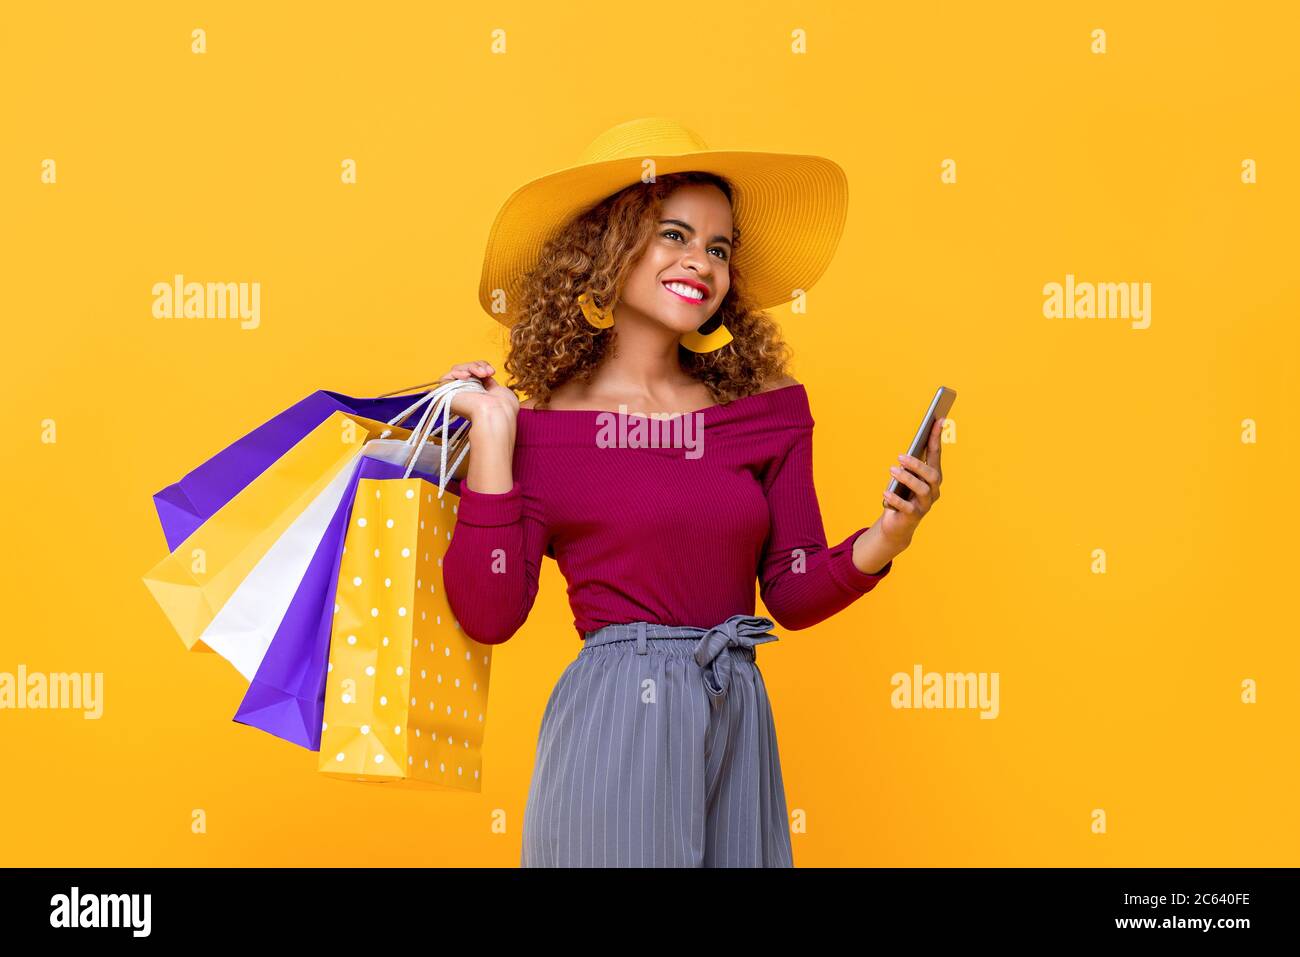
pixel 406 690
pixel 195 581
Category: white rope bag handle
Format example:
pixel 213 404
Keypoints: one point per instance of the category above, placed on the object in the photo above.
pixel 437 411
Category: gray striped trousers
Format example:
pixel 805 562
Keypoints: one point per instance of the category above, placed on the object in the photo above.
pixel 658 748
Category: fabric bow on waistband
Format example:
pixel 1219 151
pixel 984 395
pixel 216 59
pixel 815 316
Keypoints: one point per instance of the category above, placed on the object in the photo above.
pixel 738 631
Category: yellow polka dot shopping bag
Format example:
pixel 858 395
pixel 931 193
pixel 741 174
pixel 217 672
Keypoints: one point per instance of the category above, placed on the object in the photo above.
pixel 406 689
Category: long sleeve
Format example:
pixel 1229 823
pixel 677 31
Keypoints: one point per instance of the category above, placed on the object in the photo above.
pixel 492 566
pixel 801 580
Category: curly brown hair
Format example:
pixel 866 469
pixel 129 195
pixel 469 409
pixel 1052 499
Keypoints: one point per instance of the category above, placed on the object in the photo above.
pixel 552 342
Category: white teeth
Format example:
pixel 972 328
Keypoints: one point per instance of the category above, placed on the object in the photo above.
pixel 685 290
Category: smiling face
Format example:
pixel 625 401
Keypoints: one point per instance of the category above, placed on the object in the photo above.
pixel 685 272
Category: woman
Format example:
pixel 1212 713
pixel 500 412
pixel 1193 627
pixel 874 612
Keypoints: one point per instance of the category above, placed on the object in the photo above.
pixel 658 745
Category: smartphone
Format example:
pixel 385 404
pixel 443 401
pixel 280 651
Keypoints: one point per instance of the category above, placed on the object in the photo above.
pixel 939 408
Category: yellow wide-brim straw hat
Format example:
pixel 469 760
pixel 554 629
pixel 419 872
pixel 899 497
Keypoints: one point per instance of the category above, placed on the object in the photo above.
pixel 790 209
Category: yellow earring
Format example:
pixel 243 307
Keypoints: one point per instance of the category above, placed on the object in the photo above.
pixel 697 342
pixel 600 318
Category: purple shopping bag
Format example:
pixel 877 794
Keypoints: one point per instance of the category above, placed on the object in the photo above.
pixel 185 505
pixel 286 697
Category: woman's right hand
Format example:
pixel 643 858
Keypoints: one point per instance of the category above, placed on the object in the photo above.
pixel 492 415
pixel 470 404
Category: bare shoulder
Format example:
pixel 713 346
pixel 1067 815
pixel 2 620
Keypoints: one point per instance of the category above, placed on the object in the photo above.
pixel 784 382
pixel 566 395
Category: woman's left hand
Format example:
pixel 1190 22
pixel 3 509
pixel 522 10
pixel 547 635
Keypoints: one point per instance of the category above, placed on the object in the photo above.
pixel 899 522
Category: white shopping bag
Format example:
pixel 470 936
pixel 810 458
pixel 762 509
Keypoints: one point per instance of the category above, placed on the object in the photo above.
pixel 242 629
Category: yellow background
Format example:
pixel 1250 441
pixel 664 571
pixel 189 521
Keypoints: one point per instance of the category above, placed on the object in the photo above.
pixel 1118 691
